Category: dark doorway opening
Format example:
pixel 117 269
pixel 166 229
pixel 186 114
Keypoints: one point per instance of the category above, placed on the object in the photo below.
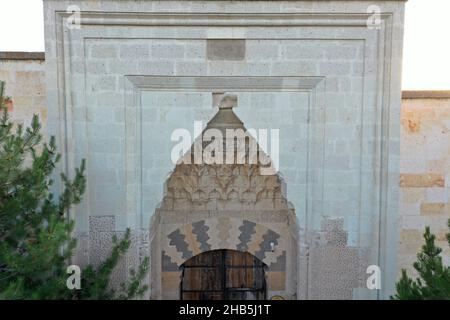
pixel 223 275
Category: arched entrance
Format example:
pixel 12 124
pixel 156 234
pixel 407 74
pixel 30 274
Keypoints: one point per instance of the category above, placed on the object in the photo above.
pixel 223 275
pixel 217 206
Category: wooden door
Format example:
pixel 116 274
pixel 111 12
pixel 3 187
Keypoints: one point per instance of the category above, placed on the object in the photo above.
pixel 223 275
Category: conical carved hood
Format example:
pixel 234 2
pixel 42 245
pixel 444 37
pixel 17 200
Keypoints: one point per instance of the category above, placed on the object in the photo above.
pixel 225 118
pixel 229 185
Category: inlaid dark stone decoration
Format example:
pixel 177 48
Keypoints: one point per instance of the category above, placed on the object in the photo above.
pixel 269 240
pixel 177 239
pixel 247 230
pixel 226 49
pixel 167 264
pixel 280 264
pixel 224 233
pixel 201 231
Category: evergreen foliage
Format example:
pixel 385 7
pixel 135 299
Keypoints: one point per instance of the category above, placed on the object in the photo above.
pixel 433 282
pixel 36 243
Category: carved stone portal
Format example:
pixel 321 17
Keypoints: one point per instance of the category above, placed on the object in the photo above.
pixel 230 205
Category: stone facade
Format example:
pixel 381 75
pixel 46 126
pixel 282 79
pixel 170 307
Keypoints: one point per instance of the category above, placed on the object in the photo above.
pixel 425 173
pixel 225 206
pixel 424 118
pixel 24 74
pixel 120 84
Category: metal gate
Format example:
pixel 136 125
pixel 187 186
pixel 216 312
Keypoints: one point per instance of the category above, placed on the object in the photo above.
pixel 223 275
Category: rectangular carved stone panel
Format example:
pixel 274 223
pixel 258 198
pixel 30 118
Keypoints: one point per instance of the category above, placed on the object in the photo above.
pixel 226 49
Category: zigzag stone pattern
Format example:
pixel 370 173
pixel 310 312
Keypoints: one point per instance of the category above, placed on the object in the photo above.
pixel 189 240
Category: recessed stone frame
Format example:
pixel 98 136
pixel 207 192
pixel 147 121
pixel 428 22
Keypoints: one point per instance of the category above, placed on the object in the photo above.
pixel 314 86
pixel 386 45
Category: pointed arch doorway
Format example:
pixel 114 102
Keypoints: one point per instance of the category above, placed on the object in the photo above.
pixel 223 275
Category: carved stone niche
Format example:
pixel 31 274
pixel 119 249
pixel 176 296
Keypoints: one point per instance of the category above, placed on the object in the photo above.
pixel 229 205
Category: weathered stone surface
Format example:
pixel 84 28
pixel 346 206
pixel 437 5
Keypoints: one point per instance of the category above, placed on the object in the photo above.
pixel 276 280
pixel 225 49
pixel 410 241
pixel 24 75
pixel 422 180
pixel 425 142
pixel 435 208
pixel 25 56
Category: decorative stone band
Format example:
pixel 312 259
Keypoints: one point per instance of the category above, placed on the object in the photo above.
pixel 224 233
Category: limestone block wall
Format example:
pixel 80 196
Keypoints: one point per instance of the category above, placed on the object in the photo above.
pixel 24 73
pixel 425 173
pixel 424 158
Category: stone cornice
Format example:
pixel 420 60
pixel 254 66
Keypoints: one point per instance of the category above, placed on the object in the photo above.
pixel 426 94
pixel 21 55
